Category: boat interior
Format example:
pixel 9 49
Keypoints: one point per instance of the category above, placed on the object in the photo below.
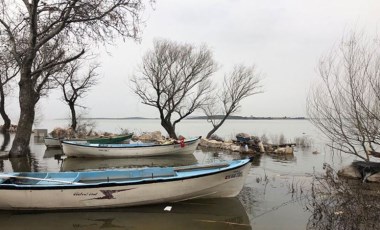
pixel 97 177
pixel 77 178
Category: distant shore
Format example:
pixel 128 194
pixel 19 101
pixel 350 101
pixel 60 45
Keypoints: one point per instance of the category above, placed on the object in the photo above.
pixel 194 118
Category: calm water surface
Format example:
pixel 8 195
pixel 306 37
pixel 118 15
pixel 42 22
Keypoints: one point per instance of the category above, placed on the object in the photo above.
pixel 266 201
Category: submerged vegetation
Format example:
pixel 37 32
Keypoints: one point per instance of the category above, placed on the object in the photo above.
pixel 337 203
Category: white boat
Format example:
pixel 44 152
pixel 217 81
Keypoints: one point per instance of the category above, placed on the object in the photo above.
pixel 52 142
pixel 119 188
pixel 87 164
pixel 84 149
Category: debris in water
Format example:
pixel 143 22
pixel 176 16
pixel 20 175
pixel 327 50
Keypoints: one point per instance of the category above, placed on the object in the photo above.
pixel 168 208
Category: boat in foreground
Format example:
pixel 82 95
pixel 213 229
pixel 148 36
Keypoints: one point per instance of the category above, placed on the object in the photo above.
pixel 83 149
pixel 120 188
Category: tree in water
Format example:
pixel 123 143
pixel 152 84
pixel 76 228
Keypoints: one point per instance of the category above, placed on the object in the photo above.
pixel 175 79
pixel 8 72
pixel 345 105
pixel 34 28
pixel 241 83
pixel 75 86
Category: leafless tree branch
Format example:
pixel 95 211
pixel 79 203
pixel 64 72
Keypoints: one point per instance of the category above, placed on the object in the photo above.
pixel 241 83
pixel 175 79
pixel 345 104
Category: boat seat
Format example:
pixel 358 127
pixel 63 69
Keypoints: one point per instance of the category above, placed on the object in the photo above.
pixel 57 181
pixel 155 172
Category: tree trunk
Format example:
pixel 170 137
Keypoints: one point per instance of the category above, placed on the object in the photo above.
pixel 216 127
pixel 28 99
pixel 7 121
pixel 73 117
pixel 170 129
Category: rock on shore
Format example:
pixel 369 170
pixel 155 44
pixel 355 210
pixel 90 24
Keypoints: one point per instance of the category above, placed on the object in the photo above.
pixel 365 171
pixel 228 145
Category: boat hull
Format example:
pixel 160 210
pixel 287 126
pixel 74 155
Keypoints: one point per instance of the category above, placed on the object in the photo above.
pixel 52 142
pixel 217 183
pixel 71 149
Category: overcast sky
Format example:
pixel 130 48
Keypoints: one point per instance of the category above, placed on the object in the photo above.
pixel 283 38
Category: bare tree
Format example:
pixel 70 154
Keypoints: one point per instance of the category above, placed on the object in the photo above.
pixel 345 105
pixel 8 72
pixel 35 28
pixel 241 83
pixel 174 78
pixel 75 86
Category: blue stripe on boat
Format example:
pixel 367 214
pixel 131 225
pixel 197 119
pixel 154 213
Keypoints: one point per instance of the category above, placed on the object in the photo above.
pixel 117 177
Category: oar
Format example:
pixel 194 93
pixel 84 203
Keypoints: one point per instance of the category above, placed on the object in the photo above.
pixel 206 166
pixel 39 179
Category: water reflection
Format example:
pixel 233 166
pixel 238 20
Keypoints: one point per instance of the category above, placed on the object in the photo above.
pixel 286 158
pixel 24 164
pixel 343 204
pixel 53 153
pixel 226 213
pixel 6 140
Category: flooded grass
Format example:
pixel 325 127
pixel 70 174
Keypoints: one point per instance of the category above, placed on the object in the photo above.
pixel 337 203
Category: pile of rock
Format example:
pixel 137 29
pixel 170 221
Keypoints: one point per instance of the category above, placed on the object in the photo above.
pixel 150 136
pixel 63 133
pixel 286 150
pixel 249 144
pixel 226 145
pixel 365 171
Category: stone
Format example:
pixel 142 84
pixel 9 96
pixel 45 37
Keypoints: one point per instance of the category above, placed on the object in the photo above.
pixel 145 136
pixel 226 145
pixel 151 136
pixel 156 135
pixel 284 150
pixel 235 148
pixel 214 144
pixel 203 142
pixel 350 172
pixel 289 150
pixel 261 147
pixel 243 135
pixel 374 178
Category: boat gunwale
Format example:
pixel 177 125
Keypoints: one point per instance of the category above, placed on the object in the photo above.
pixel 242 163
pixel 110 146
pixel 129 136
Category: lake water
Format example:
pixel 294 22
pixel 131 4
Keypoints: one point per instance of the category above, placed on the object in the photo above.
pixel 266 201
